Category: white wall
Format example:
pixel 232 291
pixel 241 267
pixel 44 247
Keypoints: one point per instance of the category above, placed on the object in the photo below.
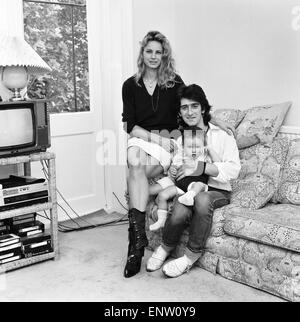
pixel 152 15
pixel 115 36
pixel 243 52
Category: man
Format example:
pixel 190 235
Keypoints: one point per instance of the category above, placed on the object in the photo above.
pixel 195 111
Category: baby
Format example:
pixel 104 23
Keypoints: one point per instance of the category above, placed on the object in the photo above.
pixel 190 152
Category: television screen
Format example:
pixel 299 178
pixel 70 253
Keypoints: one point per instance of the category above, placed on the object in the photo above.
pixel 16 127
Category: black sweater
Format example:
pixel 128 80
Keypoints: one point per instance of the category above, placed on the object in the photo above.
pixel 156 112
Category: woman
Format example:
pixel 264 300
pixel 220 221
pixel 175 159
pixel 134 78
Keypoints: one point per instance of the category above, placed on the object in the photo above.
pixel 150 111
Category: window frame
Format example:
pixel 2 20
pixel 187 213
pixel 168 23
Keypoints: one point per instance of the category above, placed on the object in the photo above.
pixel 74 81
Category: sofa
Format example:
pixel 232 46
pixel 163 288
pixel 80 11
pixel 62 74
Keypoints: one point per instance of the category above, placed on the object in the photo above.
pixel 255 240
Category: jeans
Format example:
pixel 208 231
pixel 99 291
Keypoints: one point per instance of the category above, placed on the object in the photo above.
pixel 198 218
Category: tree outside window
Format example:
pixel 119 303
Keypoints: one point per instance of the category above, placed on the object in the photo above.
pixel 57 30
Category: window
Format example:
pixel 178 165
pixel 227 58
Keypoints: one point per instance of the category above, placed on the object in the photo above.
pixel 57 30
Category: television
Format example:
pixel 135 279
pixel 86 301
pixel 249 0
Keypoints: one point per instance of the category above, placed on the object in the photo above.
pixel 24 127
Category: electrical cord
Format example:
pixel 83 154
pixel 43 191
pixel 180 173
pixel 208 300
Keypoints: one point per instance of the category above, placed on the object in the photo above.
pixel 119 201
pixel 71 218
pixel 66 229
pixel 60 227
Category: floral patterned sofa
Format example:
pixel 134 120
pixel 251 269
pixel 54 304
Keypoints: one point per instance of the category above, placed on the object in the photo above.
pixel 255 240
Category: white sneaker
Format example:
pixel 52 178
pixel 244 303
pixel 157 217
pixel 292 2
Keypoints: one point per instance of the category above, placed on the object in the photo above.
pixel 157 259
pixel 177 266
pixel 187 199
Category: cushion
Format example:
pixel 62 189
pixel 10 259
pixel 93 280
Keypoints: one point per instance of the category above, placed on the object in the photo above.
pixel 259 176
pixel 230 116
pixel 289 186
pixel 275 225
pixel 261 124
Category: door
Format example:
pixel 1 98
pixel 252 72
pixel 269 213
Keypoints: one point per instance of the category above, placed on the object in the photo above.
pixel 80 180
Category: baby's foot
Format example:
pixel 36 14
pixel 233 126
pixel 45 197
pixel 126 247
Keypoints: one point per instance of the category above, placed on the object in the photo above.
pixel 162 217
pixel 159 224
pixel 187 199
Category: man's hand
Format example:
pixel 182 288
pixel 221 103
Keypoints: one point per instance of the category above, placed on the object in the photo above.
pixel 184 171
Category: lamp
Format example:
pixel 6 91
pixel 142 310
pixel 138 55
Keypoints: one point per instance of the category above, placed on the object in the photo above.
pixel 18 60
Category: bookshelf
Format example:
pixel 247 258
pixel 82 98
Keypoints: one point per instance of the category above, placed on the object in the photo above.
pixel 51 206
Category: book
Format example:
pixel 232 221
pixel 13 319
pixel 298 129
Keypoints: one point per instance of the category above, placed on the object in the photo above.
pixel 11 259
pixel 7 256
pixel 30 217
pixel 37 249
pixel 11 253
pixel 9 247
pixel 9 239
pixel 32 233
pixel 36 239
pixel 22 221
pixel 26 229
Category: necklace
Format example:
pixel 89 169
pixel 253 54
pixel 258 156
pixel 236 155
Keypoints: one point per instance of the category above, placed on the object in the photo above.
pixel 154 108
pixel 150 83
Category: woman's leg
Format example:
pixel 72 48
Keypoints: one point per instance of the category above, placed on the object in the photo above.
pixel 138 188
pixel 141 167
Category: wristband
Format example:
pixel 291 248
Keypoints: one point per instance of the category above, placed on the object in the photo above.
pixel 204 167
pixel 201 167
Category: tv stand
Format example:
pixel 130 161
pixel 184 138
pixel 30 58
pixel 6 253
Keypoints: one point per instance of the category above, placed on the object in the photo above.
pixel 51 206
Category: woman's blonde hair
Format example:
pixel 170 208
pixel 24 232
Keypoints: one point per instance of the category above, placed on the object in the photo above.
pixel 166 71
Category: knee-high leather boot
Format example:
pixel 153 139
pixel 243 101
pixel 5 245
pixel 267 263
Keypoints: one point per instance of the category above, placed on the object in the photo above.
pixel 137 242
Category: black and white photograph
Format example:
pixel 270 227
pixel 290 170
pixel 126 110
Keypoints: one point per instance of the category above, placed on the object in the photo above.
pixel 150 154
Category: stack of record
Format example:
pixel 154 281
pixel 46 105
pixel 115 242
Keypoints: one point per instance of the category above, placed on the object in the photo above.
pixel 28 229
pixel 36 245
pixel 23 219
pixel 10 248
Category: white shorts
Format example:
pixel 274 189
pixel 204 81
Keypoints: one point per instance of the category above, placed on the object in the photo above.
pixel 154 150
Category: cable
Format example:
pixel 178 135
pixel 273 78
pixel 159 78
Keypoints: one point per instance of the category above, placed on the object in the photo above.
pixel 119 201
pixel 66 229
pixel 61 195
pixel 119 221
pixel 60 227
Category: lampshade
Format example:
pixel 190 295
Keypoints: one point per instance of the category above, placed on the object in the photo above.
pixel 15 51
pixel 18 60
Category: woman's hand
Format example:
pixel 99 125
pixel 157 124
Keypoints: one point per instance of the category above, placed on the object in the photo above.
pixel 184 171
pixel 228 128
pixel 173 171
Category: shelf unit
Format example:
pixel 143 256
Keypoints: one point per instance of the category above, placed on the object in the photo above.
pixel 51 206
